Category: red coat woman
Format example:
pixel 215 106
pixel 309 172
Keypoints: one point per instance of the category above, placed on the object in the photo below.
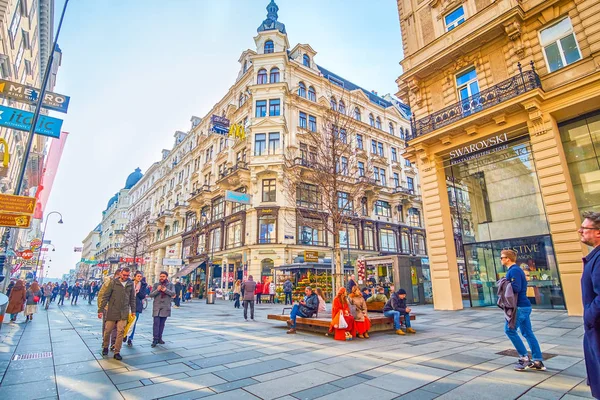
pixel 340 305
pixel 258 292
pixel 16 301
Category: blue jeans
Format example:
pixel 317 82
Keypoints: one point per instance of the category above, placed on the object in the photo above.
pixel 396 315
pixel 288 297
pixel 137 316
pixel 524 324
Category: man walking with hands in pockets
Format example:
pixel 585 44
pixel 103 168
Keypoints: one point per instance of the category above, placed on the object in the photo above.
pixel 120 298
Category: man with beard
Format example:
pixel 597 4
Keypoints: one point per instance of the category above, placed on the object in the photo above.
pixel 162 292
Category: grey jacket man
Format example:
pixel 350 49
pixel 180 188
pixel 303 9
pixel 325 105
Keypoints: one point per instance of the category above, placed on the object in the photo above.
pixel 249 288
pixel 161 306
pixel 120 298
pixel 507 301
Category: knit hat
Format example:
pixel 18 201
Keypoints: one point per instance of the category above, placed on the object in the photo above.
pixel 401 291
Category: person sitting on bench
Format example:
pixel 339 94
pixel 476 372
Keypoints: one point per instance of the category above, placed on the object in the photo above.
pixel 379 297
pixel 396 307
pixel 305 309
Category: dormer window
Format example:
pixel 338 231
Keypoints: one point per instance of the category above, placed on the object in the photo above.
pixel 262 77
pixel 306 60
pixel 245 65
pixel 274 76
pixel 269 47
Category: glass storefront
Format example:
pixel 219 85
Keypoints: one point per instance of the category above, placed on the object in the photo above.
pixel 581 143
pixel 495 204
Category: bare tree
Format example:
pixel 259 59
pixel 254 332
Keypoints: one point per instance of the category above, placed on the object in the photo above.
pixel 135 237
pixel 329 176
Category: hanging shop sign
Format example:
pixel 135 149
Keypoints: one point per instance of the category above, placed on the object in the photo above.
pixel 220 124
pixel 15 220
pixel 311 256
pixel 27 255
pixel 35 244
pixel 237 197
pixel 237 131
pixel 30 95
pixel 4 155
pixel 17 204
pixel 21 120
pixel 139 260
pixel 172 262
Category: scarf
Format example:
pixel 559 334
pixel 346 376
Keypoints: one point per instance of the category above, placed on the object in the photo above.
pixel 138 286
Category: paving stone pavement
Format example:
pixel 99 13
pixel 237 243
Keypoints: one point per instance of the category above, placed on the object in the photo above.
pixel 212 353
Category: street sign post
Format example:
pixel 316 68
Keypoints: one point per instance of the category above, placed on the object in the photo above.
pixel 30 95
pixel 15 220
pixel 17 204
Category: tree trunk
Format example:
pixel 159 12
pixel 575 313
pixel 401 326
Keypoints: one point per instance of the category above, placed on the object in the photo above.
pixel 339 269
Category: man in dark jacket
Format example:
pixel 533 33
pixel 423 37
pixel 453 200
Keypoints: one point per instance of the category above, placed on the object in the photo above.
pixel 287 290
pixel 62 291
pixel 590 291
pixel 395 307
pixel 305 309
pixel 139 284
pixel 517 279
pixel 248 289
pixel 75 293
pixel 178 291
pixel 120 298
pixel 351 283
pixel 162 292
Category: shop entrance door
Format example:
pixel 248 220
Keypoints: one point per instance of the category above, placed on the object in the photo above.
pixel 481 272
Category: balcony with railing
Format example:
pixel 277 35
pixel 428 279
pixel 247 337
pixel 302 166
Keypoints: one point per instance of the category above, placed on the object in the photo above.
pixel 523 82
pixel 235 176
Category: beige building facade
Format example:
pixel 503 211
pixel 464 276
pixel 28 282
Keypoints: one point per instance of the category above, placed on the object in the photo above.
pixel 280 93
pixel 506 136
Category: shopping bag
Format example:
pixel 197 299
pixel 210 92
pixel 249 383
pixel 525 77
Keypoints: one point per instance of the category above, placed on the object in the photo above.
pixel 130 322
pixel 342 324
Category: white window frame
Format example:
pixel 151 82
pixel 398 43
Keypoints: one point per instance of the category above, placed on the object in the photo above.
pixel 466 84
pixel 454 23
pixel 557 41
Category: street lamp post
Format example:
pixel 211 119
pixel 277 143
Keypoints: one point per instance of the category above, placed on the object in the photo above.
pixel 60 221
pixel 209 261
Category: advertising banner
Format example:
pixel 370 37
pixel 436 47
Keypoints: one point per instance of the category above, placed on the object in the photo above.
pixel 30 95
pixel 49 173
pixel 21 120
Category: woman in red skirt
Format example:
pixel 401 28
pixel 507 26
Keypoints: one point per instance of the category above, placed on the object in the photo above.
pixel 340 305
pixel 362 323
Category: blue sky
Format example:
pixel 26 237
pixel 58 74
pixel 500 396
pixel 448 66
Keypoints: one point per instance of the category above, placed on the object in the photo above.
pixel 137 70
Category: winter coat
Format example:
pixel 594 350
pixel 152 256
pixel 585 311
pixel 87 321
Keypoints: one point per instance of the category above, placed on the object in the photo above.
pixel 119 299
pixel 507 301
pixel 237 289
pixel 590 291
pixel 30 295
pixel 272 288
pixel 55 290
pixel 395 303
pixel 161 306
pixel 16 301
pixel 139 297
pixel 379 298
pixel 178 288
pixel 76 290
pixel 287 287
pixel 360 307
pixel 47 291
pixel 310 306
pixel 249 287
pixel 258 288
pixel 63 289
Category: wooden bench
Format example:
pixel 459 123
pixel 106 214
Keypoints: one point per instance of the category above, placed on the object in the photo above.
pixel 321 324
pixel 375 306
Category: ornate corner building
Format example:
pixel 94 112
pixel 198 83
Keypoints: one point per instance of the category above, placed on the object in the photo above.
pixel 241 145
pixel 505 132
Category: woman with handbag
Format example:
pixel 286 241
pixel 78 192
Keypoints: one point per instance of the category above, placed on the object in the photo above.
pixel 16 301
pixel 33 297
pixel 342 323
pixel 361 320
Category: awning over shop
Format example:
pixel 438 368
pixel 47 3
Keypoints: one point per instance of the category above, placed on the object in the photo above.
pixel 188 269
pixel 320 266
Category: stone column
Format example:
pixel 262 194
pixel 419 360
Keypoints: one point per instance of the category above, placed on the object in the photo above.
pixel 440 235
pixel 560 203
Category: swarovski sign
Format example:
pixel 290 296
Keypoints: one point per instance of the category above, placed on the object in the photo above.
pixel 479 146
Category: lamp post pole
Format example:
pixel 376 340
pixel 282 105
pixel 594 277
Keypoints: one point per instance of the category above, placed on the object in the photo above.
pixel 37 264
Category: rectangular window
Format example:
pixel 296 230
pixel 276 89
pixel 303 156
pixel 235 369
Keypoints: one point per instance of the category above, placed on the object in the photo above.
pixel 274 142
pixel 344 165
pixel 369 236
pixel 396 180
pixel 376 174
pixel 345 204
pixel 383 208
pixel 343 136
pixel 274 107
pixel 414 217
pixel 394 154
pixel 455 18
pixel 387 240
pixel 267 225
pixel 361 168
pixel 407 163
pixel 268 190
pixel 14 24
pixel 373 146
pixel 215 239
pixel 467 84
pixel 304 152
pixel 560 45
pixel 307 196
pixel 380 148
pixel 359 142
pixel 234 234
pixel 260 144
pixel 261 108
pixel 383 177
pixel 302 120
pixel 19 58
pixel 348 237
pixel 312 123
pixel 311 232
pixel 410 184
pixel 218 208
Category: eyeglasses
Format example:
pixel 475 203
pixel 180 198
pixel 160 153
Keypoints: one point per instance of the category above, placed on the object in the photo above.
pixel 582 228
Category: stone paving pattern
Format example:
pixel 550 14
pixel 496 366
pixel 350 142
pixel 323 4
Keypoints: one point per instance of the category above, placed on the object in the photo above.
pixel 212 353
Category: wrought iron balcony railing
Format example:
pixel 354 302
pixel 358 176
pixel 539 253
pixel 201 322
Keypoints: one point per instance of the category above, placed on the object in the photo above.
pixel 523 82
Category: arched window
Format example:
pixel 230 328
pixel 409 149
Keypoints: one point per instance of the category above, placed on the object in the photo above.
pixel 269 48
pixel 306 60
pixel 274 78
pixel 262 77
pixel 371 120
pixel 378 123
pixel 342 107
pixel 391 126
pixel 312 95
pixel 333 104
pixel 245 66
pixel 402 133
pixel 357 114
pixel 301 89
pixel 242 99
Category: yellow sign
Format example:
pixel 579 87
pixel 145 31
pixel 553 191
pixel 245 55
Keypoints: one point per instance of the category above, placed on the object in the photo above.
pixel 17 204
pixel 237 131
pixel 15 220
pixel 311 256
pixel 6 154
